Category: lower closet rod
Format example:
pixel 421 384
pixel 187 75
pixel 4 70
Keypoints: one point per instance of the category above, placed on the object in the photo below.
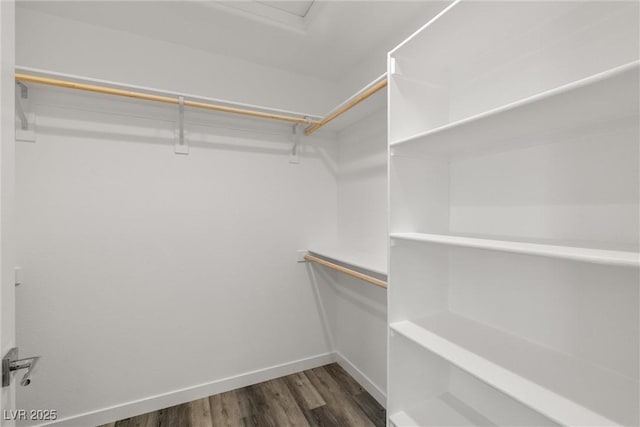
pixel 27 78
pixel 346 271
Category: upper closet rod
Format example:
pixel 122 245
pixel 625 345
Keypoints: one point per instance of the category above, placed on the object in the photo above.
pixel 31 75
pixel 172 98
pixel 372 88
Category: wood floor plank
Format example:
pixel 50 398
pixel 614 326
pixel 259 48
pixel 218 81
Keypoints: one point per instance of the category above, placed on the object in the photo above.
pixel 250 413
pixel 282 405
pixel 152 419
pixel 225 410
pixel 200 413
pixel 303 391
pixel 344 379
pixel 374 411
pixel 174 416
pixel 259 407
pixel 242 415
pixel 339 401
pixel 321 417
pixel 144 420
pixel 322 397
pixel 131 422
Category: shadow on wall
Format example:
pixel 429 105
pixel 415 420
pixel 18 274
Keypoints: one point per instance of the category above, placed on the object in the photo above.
pixel 324 315
pixel 367 297
pixel 92 117
pixel 354 314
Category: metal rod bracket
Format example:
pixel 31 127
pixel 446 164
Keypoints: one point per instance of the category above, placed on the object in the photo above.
pixel 24 90
pixel 181 146
pixel 293 154
pixel 26 129
pixel 22 93
pixel 300 254
pixel 309 124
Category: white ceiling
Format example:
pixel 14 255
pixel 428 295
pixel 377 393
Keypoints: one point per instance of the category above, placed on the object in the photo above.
pixel 295 7
pixel 317 38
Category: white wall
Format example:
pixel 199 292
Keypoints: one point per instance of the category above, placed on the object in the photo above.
pixel 362 184
pixel 7 135
pixel 53 43
pixel 358 310
pixel 147 272
pixel 375 63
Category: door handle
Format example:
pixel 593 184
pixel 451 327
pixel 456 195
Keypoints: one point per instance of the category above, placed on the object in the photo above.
pixel 11 363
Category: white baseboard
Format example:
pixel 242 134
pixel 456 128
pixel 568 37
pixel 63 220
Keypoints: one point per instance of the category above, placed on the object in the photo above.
pixel 176 397
pixel 375 391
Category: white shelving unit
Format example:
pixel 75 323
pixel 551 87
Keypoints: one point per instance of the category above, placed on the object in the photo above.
pixel 514 182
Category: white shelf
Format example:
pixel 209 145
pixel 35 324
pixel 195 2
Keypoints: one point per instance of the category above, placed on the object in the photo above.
pixel 513 197
pixel 563 388
pixel 590 255
pixel 370 261
pixel 588 103
pixel 433 412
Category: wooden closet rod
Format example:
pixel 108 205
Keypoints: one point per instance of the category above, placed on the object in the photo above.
pixel 347 271
pixel 374 87
pixel 314 123
pixel 27 78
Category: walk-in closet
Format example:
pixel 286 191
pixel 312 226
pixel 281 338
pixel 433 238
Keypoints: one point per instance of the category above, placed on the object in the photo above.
pixel 320 213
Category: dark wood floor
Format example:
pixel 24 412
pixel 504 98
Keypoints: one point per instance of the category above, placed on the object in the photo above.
pixel 325 396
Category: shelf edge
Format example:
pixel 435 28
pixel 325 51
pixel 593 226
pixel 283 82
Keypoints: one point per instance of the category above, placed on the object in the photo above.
pixel 594 256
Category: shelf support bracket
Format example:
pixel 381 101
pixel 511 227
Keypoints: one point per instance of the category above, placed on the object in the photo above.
pixel 293 154
pixel 25 132
pixel 309 124
pixel 181 146
pixel 23 93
